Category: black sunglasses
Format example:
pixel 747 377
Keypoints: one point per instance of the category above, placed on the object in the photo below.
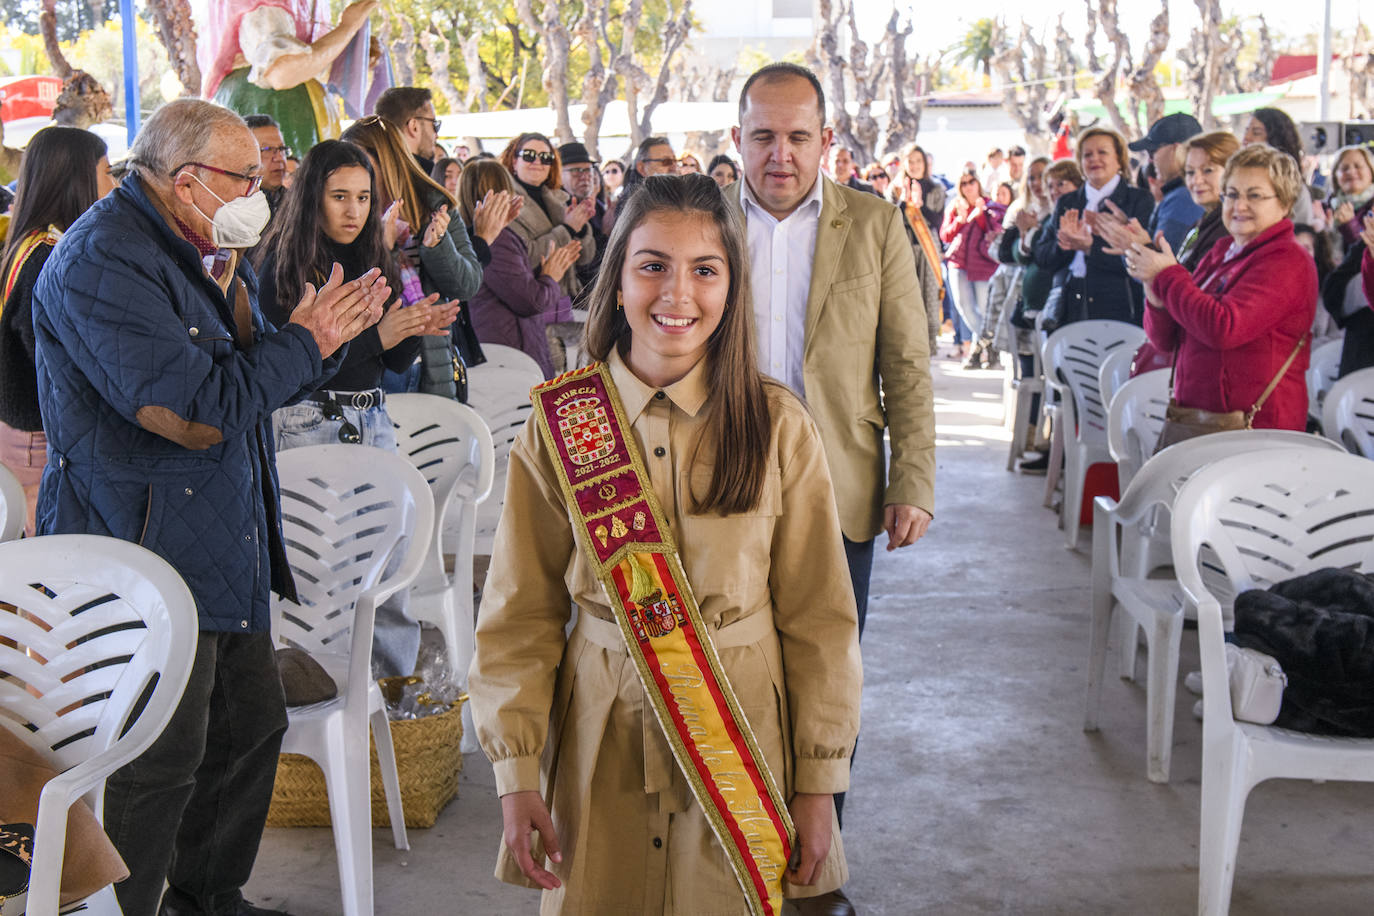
pixel 530 155
pixel 348 433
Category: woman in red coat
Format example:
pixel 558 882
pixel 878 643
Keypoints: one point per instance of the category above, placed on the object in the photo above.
pixel 968 228
pixel 1248 306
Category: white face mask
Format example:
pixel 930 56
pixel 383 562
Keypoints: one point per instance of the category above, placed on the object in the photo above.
pixel 238 223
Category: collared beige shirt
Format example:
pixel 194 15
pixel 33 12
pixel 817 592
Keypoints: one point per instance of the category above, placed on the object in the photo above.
pixel 567 715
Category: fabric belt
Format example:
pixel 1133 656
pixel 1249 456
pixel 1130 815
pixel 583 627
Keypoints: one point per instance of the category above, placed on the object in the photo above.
pixel 358 400
pixel 606 633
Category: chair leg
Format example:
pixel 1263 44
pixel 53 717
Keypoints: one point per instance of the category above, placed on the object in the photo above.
pixel 1056 459
pixel 1129 648
pixel 1101 618
pixel 391 782
pixel 350 808
pixel 1160 692
pixel 1224 790
pixel 1020 419
pixel 1071 508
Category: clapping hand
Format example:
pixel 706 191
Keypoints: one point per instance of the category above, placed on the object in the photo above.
pixel 1119 231
pixel 1074 234
pixel 1367 233
pixel 1344 213
pixel 579 213
pixel 437 228
pixel 494 212
pixel 558 260
pixel 393 225
pixel 428 317
pixel 1025 221
pixel 1144 262
pixel 338 312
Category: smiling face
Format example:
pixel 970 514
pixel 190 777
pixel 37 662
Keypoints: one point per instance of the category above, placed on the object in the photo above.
pixel 1058 187
pixel 1352 173
pixel 782 141
pixel 1099 159
pixel 1250 205
pixel 674 286
pixel 347 203
pixel 536 172
pixel 1202 177
pixel 916 164
pixel 1036 180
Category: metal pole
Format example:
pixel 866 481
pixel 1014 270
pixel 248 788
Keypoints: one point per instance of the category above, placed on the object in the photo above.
pixel 127 24
pixel 1324 66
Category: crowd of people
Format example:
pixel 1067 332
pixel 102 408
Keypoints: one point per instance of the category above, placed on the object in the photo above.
pixel 172 321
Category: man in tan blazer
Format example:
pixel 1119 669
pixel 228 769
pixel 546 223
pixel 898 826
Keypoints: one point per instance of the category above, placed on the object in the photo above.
pixel 840 319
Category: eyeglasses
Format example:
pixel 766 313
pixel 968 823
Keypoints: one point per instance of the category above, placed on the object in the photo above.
pixel 254 181
pixel 435 121
pixel 348 433
pixel 666 162
pixel 529 155
pixel 274 150
pixel 1252 198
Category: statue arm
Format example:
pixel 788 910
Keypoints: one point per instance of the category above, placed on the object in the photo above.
pixel 279 61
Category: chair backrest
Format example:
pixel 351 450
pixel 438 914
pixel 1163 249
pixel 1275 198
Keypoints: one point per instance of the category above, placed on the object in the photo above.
pixel 346 511
pixel 1134 419
pixel 1075 353
pixel 449 444
pixel 1114 372
pixel 1322 368
pixel 1348 412
pixel 500 356
pixel 1267 516
pixel 501 397
pixel 90 622
pixel 13 505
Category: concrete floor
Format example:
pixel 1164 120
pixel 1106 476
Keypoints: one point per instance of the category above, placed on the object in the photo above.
pixel 975 789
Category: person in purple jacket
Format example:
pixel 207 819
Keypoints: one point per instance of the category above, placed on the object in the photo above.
pixel 516 302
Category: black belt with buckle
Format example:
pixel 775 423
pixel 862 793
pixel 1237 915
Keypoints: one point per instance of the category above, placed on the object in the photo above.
pixel 358 400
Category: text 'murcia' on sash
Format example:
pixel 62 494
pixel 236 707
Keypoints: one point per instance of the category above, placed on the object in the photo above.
pixel 629 543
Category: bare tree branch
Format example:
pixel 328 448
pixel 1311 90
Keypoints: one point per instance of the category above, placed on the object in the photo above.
pixel 1144 87
pixel 438 54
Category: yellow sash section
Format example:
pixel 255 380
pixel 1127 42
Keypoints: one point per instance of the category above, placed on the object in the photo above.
pixel 624 532
pixel 50 236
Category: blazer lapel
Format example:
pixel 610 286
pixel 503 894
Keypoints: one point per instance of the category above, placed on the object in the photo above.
pixel 831 233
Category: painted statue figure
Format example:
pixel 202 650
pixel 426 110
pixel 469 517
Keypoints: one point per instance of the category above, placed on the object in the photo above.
pixel 286 59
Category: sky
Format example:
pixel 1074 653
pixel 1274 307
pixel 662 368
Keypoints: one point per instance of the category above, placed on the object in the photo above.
pixel 1291 17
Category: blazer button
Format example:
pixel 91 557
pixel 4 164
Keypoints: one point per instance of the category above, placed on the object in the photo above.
pixel 660 452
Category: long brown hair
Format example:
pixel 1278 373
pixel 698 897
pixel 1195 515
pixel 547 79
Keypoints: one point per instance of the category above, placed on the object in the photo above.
pixel 476 179
pixel 57 183
pixel 738 421
pixel 398 174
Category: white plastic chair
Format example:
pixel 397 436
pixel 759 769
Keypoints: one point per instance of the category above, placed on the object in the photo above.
pixel 1074 353
pixel 1135 416
pixel 1051 412
pixel 1114 372
pixel 98 620
pixel 1348 412
pixel 346 510
pixel 500 356
pixel 451 446
pixel 1128 536
pixel 1266 517
pixel 1322 369
pixel 14 505
pixel 501 397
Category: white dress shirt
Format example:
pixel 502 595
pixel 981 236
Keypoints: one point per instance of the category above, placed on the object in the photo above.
pixel 1079 267
pixel 780 255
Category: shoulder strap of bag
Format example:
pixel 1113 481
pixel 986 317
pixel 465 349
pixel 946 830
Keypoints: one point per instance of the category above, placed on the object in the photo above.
pixel 1274 382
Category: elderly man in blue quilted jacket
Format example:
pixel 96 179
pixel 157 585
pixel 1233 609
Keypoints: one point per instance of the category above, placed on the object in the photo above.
pixel 157 377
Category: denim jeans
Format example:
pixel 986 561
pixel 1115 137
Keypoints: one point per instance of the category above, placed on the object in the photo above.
pixel 190 810
pixel 396 638
pixel 970 298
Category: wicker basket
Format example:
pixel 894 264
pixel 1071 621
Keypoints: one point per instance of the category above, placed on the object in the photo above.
pixel 428 761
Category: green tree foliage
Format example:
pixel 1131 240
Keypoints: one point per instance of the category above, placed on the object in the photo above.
pixel 979 46
pixel 73 16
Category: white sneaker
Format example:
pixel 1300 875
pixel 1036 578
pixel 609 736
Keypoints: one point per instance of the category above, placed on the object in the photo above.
pixel 1192 682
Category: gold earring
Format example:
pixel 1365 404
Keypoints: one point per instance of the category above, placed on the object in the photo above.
pixel 619 300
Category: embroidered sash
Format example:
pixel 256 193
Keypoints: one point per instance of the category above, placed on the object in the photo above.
pixel 628 541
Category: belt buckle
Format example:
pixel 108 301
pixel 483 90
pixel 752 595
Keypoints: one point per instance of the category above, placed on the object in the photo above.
pixel 363 400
